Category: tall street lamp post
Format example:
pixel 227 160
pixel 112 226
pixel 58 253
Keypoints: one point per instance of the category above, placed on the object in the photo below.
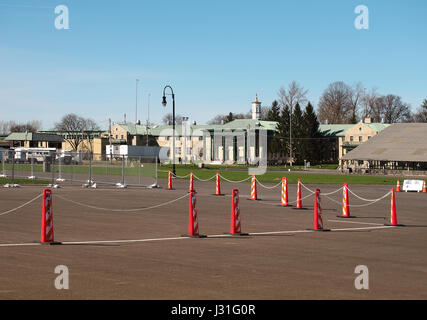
pixel 164 103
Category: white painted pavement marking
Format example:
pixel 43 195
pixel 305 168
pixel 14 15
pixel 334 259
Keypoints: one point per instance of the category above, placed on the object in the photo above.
pixel 182 238
pixel 369 223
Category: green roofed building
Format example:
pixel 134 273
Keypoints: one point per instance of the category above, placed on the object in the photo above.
pixel 35 140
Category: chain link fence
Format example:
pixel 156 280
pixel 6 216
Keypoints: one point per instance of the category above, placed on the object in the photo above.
pixel 81 167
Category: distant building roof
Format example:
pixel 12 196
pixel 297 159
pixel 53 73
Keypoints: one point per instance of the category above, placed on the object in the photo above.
pixel 377 127
pixel 405 142
pixel 334 130
pixel 33 136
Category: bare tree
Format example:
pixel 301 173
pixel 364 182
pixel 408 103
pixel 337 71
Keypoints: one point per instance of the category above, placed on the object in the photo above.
pixel 335 104
pixel 292 95
pixel 74 127
pixel 392 109
pixel 168 119
pixel 421 114
pixel 357 92
pixel 6 127
pixel 368 104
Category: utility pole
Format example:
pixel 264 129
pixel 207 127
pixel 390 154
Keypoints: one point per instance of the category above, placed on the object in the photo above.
pixel 148 116
pixel 109 139
pixel 136 102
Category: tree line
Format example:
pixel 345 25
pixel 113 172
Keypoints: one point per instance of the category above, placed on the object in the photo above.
pixel 340 103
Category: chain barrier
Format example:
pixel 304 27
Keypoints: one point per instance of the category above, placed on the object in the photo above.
pixel 264 186
pixel 308 189
pixel 232 181
pixel 371 202
pixel 363 199
pixel 204 180
pixel 21 206
pixel 123 210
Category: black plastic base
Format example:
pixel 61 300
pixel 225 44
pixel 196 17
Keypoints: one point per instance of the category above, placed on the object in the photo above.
pixel 349 217
pixel 237 234
pixel 54 243
pixel 295 208
pixel 219 195
pixel 391 225
pixel 198 236
pixel 253 199
pixel 322 230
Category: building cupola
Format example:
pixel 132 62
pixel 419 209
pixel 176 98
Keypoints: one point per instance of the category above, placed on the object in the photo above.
pixel 256 109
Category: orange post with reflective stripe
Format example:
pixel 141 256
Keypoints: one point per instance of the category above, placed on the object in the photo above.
pixel 235 225
pixel 299 200
pixel 191 182
pixel 47 218
pixel 193 223
pixel 284 192
pixel 318 222
pixel 254 195
pixel 345 202
pixel 393 217
pixel 217 186
pixel 169 180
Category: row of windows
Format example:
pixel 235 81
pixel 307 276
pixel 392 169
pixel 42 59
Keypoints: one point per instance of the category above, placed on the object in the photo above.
pixel 360 138
pixel 164 138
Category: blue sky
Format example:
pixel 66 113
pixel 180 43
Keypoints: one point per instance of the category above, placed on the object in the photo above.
pixel 215 54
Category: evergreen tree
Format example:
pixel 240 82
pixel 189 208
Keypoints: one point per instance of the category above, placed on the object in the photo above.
pixel 281 136
pixel 274 112
pixel 298 134
pixel 229 118
pixel 312 135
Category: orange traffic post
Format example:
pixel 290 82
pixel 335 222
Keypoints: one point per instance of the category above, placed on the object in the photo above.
pixel 398 186
pixel 235 221
pixel 170 180
pixel 193 223
pixel 218 186
pixel 254 195
pixel 47 235
pixel 299 200
pixel 284 193
pixel 191 182
pixel 345 203
pixel 318 221
pixel 393 216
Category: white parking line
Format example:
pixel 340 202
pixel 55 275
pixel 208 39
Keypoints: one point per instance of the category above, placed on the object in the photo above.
pixel 182 238
pixel 369 223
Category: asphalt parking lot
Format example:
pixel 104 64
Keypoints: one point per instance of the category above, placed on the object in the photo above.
pixel 115 251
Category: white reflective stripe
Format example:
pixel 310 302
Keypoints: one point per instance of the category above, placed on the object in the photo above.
pixel 49 227
pixel 48 214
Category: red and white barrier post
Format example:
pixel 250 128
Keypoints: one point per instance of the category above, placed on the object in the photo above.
pixel 218 186
pixel 318 221
pixel 193 223
pixel 47 235
pixel 235 222
pixel 299 200
pixel 345 203
pixel 284 192
pixel 254 195
pixel 170 180
pixel 191 182
pixel 393 216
